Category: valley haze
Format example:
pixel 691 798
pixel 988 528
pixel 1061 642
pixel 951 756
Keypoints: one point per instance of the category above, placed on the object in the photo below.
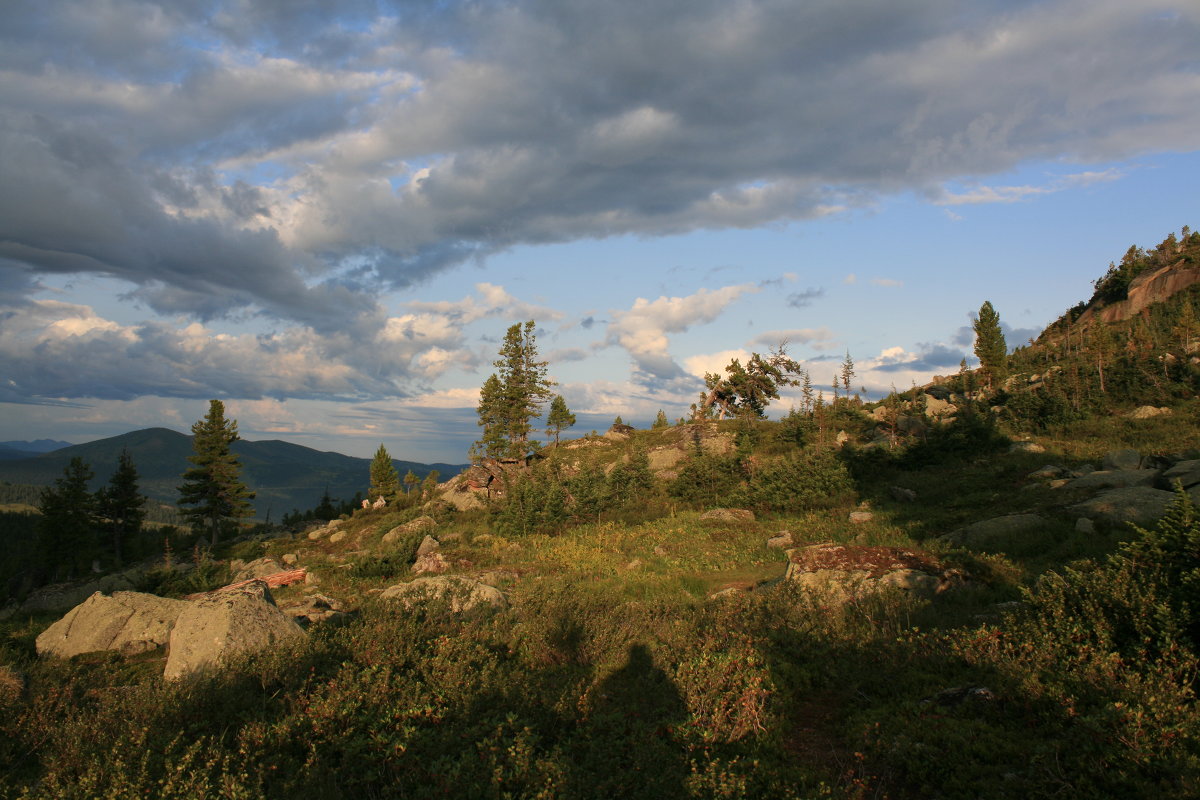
pixel 328 220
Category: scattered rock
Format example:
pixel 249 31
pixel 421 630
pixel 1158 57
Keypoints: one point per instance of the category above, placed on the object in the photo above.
pixel 841 572
pixel 993 532
pixel 316 608
pixel 728 515
pixel 664 458
pixel 1026 447
pixel 659 550
pixel 1085 526
pixel 1140 505
pixel 63 597
pixel 1185 472
pixel 1047 472
pixel 1115 479
pixel 289 559
pixel 1126 458
pixel 781 540
pixel 1146 412
pixel 432 562
pixel 902 495
pixel 428 545
pixel 637 562
pixel 1058 483
pixel 417 525
pixel 127 622
pixel 859 517
pixel 258 568
pixel 225 623
pixel 462 593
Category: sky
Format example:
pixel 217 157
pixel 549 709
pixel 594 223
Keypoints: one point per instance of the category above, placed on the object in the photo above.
pixel 326 213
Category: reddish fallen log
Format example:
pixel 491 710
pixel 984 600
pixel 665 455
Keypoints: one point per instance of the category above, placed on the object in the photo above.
pixel 272 581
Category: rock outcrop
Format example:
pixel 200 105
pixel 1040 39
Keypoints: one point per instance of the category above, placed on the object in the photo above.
pixel 127 622
pixel 839 573
pixel 462 593
pixel 1140 505
pixel 226 623
pixel 993 532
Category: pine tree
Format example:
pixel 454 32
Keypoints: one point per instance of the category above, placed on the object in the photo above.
pixel 212 485
pixel 385 482
pixel 660 421
pixel 410 481
pixel 560 417
pixel 990 347
pixel 847 373
pixel 512 396
pixel 67 527
pixel 120 505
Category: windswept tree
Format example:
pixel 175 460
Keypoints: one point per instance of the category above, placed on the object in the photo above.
pixel 512 396
pixel 746 391
pixel 990 347
pixel 385 481
pixel 560 417
pixel 213 485
pixel 67 527
pixel 121 506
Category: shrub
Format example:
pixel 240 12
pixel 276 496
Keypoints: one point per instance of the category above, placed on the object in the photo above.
pixel 812 479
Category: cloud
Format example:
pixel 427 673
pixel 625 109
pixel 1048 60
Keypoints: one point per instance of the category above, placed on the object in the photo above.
pixel 804 298
pixel 643 329
pixel 53 350
pixel 817 338
pixel 886 282
pixel 850 279
pixel 233 157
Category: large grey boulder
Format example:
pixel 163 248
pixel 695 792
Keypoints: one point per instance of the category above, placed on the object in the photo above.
pixel 1140 505
pixel 128 622
pixel 994 532
pixel 1126 458
pixel 415 526
pixel 463 594
pixel 1186 472
pixel 837 573
pixel 225 623
pixel 63 597
pixel 259 568
pixel 728 515
pixel 1115 479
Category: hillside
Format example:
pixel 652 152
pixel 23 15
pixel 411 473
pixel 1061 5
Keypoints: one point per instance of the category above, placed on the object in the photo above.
pixel 285 476
pixel 952 593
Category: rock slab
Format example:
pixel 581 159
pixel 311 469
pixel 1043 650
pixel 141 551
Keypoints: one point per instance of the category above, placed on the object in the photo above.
pixel 463 594
pixel 224 624
pixel 128 622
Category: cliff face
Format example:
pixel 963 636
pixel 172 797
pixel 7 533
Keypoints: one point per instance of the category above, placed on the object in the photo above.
pixel 1152 286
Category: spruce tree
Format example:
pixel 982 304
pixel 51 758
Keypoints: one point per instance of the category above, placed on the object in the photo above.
pixel 512 396
pixel 385 482
pixel 990 347
pixel 67 527
pixel 121 505
pixel 660 421
pixel 560 417
pixel 212 485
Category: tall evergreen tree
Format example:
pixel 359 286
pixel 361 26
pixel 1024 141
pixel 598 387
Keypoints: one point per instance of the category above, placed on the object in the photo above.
pixel 121 505
pixel 990 347
pixel 560 417
pixel 67 527
pixel 512 396
pixel 213 485
pixel 660 421
pixel 385 482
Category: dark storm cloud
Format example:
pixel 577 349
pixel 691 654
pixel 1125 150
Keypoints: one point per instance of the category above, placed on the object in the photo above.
pixel 804 298
pixel 292 158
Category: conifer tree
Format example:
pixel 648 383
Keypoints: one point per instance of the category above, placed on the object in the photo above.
pixel 990 347
pixel 120 505
pixel 212 485
pixel 660 421
pixel 67 527
pixel 847 373
pixel 385 482
pixel 512 396
pixel 560 417
pixel 410 481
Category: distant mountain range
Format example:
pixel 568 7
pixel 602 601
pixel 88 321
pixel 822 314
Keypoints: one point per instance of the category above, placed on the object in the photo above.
pixel 14 450
pixel 285 476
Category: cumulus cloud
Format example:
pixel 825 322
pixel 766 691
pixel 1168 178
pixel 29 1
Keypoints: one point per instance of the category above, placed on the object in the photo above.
pixel 238 155
pixel 643 329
